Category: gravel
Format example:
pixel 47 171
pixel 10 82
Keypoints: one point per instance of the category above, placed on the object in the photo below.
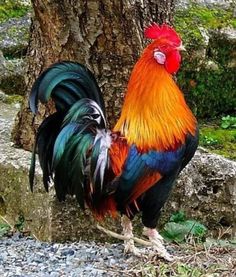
pixel 24 256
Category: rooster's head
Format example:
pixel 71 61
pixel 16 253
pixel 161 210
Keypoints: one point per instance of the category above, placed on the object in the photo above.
pixel 166 47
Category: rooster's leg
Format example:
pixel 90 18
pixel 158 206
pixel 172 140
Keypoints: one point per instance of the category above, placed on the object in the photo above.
pixel 128 233
pixel 156 241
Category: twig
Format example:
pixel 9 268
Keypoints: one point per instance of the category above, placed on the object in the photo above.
pixel 35 237
pixel 7 222
pixel 222 232
pixel 13 228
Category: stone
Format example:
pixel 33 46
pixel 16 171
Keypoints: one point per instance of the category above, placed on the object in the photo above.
pixel 211 65
pixel 3 96
pixel 12 73
pixel 14 39
pixel 206 190
pixel 14 36
pixel 224 4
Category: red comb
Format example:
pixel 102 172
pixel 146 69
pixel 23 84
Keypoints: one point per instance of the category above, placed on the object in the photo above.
pixel 164 31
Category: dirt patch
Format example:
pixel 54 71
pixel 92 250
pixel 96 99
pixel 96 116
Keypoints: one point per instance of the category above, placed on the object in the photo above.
pixel 190 260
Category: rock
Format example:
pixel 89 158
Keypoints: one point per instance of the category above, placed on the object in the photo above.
pixel 211 65
pixel 224 4
pixel 220 39
pixel 206 190
pixel 3 96
pixel 14 36
pixel 220 3
pixel 230 33
pixel 12 73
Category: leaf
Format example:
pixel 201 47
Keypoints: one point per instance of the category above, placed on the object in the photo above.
pixel 225 125
pixel 178 231
pixel 4 229
pixel 175 231
pixel 185 270
pixel 178 217
pixel 195 228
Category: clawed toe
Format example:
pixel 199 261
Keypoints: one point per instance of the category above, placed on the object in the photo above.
pixel 157 243
pixel 130 248
pixel 161 251
pixel 152 233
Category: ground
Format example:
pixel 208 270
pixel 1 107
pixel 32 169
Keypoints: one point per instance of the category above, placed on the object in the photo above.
pixel 193 260
pixel 194 257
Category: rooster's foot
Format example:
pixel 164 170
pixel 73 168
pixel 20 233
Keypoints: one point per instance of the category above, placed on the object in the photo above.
pixel 156 241
pixel 129 247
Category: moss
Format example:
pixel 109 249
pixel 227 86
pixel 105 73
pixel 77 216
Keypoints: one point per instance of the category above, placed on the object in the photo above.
pixel 14 84
pixel 209 91
pixel 188 21
pixel 13 99
pixel 12 9
pixel 16 37
pixel 219 141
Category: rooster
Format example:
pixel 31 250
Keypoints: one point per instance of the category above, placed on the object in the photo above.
pixel 132 168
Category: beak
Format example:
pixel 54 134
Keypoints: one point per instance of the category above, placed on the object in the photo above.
pixel 181 48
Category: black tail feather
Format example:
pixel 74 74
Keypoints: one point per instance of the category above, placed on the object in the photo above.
pixel 72 77
pixel 44 143
pixel 72 143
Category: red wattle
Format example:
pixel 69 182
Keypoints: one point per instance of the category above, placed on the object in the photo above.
pixel 173 60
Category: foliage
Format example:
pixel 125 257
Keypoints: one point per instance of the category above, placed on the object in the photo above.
pixel 207 75
pixel 218 140
pixel 5 226
pixel 188 21
pixel 179 228
pixel 185 270
pixel 4 229
pixel 209 93
pixel 20 223
pixel 164 270
pixel 12 9
pixel 208 141
pixel 228 122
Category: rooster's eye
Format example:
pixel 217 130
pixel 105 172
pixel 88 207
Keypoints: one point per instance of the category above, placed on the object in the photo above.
pixel 159 57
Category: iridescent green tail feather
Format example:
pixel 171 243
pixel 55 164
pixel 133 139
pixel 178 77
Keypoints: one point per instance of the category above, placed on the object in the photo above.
pixel 72 143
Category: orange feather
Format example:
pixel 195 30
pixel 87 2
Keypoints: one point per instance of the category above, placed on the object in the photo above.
pixel 144 184
pixel 155 114
pixel 118 155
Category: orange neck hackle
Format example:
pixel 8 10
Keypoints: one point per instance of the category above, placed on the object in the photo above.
pixel 155 115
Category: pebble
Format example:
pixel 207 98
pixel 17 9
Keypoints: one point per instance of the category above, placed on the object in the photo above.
pixel 25 257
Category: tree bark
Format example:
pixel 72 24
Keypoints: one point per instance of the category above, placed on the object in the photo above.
pixel 105 35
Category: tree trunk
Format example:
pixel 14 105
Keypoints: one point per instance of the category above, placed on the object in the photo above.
pixel 105 35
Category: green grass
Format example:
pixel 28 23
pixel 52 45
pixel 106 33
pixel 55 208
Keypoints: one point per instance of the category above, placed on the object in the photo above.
pixel 218 140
